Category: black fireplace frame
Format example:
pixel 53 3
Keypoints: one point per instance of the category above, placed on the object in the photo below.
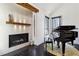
pixel 17 39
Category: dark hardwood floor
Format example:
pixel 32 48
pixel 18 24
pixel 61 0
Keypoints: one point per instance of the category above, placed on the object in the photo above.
pixel 32 51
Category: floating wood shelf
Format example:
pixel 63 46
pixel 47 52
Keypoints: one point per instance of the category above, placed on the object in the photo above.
pixel 17 23
pixel 29 6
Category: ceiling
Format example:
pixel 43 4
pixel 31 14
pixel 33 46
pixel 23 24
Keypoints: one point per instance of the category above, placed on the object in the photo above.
pixel 49 7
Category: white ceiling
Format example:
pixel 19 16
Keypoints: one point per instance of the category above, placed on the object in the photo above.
pixel 48 7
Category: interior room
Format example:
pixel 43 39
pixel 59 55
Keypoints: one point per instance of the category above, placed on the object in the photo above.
pixel 39 29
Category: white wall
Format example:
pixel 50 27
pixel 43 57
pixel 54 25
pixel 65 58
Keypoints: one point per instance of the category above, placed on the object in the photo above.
pixel 70 15
pixel 39 28
pixel 7 29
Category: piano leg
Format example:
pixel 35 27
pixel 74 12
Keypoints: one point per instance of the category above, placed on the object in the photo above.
pixel 63 48
pixel 72 40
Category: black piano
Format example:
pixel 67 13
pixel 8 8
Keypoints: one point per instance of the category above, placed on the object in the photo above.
pixel 66 34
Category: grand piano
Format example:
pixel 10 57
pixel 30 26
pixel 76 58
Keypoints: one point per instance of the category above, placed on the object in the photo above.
pixel 66 34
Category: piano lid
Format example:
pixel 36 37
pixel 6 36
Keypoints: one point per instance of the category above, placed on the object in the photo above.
pixel 66 27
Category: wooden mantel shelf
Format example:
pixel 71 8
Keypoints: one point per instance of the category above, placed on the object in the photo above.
pixel 29 6
pixel 17 23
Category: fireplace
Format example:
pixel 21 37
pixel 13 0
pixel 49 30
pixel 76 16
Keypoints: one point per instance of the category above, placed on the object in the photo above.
pixel 16 39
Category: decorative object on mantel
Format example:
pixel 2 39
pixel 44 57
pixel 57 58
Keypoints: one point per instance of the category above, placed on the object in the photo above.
pixel 12 21
pixel 10 17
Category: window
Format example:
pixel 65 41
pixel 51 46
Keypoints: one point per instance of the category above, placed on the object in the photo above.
pixel 56 22
pixel 46 25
